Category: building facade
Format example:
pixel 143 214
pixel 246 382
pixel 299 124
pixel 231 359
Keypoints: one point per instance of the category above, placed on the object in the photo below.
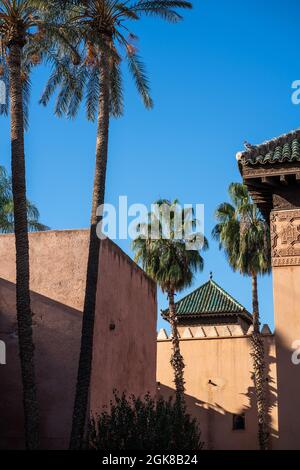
pixel 215 333
pixel 272 173
pixel 218 373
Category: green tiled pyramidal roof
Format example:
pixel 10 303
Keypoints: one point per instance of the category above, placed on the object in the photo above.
pixel 209 299
pixel 284 149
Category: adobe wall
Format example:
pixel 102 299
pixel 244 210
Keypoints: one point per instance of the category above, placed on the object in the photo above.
pixel 125 331
pixel 58 260
pixel 219 384
pixel 285 232
pixel 56 336
pixel 58 265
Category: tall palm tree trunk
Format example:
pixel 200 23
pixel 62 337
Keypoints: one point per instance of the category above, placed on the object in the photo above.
pixel 176 359
pixel 86 351
pixel 258 355
pixel 24 316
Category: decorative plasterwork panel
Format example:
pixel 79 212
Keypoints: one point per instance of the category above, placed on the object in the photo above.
pixel 285 237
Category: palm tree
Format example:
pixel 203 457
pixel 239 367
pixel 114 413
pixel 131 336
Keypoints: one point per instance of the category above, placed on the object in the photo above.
pixel 168 262
pixel 104 40
pixel 244 235
pixel 27 33
pixel 7 208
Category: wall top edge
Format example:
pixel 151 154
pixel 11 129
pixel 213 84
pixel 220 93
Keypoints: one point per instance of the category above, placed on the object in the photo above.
pixel 166 340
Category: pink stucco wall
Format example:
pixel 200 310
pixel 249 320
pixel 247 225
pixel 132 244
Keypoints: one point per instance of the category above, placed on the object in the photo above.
pixel 286 283
pixel 56 336
pixel 58 265
pixel 58 261
pixel 125 331
pixel 219 384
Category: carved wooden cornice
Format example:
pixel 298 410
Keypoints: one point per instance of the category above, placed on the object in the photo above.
pixel 273 186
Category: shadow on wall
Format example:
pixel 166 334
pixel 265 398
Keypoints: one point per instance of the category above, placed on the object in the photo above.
pixel 272 394
pixel 288 386
pixel 124 350
pixel 217 424
pixel 56 330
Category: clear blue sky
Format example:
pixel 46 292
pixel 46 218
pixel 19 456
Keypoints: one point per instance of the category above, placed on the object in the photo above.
pixel 221 77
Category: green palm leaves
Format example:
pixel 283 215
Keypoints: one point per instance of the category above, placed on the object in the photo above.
pixel 243 233
pixel 244 236
pixel 39 28
pixel 163 251
pixel 101 27
pixel 7 208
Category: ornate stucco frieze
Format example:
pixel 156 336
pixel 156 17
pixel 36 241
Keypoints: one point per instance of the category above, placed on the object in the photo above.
pixel 285 237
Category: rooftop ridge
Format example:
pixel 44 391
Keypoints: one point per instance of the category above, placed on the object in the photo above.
pixel 208 299
pixel 268 145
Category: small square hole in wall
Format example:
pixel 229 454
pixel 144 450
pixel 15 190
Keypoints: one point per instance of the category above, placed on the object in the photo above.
pixel 238 422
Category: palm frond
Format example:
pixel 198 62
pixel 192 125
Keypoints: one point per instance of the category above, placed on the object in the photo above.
pixel 116 91
pixel 92 93
pixel 243 234
pixel 167 259
pixel 138 71
pixel 163 9
pixel 7 208
pixel 86 26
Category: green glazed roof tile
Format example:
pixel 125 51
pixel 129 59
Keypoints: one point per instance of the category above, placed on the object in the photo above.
pixel 209 299
pixel 284 149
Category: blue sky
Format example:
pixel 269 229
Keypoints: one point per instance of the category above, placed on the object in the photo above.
pixel 220 77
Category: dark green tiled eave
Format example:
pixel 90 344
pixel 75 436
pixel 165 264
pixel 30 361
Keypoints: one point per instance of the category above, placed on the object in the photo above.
pixel 289 152
pixel 283 149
